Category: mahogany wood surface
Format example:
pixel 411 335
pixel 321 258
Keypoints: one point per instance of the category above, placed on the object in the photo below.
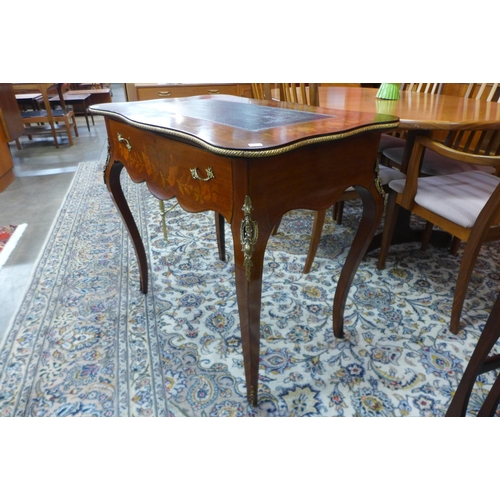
pixel 263 166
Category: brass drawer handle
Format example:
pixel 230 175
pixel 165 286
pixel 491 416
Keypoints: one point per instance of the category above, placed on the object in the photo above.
pixel 122 139
pixel 164 93
pixel 213 91
pixel 209 171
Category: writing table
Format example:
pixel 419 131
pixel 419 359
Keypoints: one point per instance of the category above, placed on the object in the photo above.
pixel 250 161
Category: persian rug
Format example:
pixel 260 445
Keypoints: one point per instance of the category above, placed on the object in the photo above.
pixel 87 342
pixel 9 237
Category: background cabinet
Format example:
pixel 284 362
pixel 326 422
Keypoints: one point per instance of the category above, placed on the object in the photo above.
pixel 146 91
pixel 11 128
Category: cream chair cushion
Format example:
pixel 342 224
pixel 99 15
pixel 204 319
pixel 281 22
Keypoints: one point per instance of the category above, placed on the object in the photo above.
pixel 388 174
pixel 389 141
pixel 457 197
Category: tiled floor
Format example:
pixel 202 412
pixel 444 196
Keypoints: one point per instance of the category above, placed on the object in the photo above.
pixel 43 176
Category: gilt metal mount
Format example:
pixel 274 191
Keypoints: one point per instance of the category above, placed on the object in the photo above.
pixel 248 234
pixel 209 172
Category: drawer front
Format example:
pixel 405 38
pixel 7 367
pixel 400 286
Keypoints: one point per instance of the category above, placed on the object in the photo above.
pixel 145 93
pixel 200 180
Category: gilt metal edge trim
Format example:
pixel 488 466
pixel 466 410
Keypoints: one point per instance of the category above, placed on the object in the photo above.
pixel 244 153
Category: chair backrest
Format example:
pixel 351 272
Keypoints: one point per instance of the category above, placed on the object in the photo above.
pixel 482 91
pixel 261 90
pixel 300 93
pixel 485 142
pixel 426 88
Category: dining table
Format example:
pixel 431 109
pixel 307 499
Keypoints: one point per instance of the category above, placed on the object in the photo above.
pixel 250 161
pixel 419 114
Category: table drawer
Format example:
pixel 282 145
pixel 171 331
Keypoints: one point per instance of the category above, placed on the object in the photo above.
pixel 199 179
pixel 159 92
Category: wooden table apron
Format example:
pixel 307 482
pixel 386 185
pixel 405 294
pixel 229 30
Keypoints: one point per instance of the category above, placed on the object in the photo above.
pixel 251 193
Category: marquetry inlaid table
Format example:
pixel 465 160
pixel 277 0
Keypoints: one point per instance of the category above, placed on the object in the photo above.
pixel 250 161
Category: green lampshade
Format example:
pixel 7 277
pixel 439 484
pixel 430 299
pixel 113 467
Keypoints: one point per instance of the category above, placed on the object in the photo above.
pixel 385 106
pixel 388 91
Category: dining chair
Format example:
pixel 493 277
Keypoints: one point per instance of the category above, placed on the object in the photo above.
pixel 433 164
pixel 261 91
pixel 35 123
pixel 78 102
pixel 397 139
pixel 472 141
pixel 464 204
pixel 481 361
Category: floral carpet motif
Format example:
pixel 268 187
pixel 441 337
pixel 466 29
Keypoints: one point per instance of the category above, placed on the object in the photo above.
pixel 87 342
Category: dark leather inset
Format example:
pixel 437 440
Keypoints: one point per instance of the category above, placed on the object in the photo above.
pixel 241 115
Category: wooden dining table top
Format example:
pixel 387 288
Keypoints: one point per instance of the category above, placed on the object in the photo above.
pixel 416 110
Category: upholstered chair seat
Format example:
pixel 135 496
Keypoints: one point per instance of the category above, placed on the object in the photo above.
pixel 458 198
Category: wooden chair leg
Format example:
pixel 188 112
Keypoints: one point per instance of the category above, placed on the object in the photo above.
pixel 426 236
pixel 488 338
pixel 75 125
pixel 319 220
pixel 220 232
pixel 465 272
pixel 455 245
pixel 86 115
pixel 490 404
pixel 338 211
pixel 471 251
pixel 391 216
pixel 54 135
pixel 68 131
